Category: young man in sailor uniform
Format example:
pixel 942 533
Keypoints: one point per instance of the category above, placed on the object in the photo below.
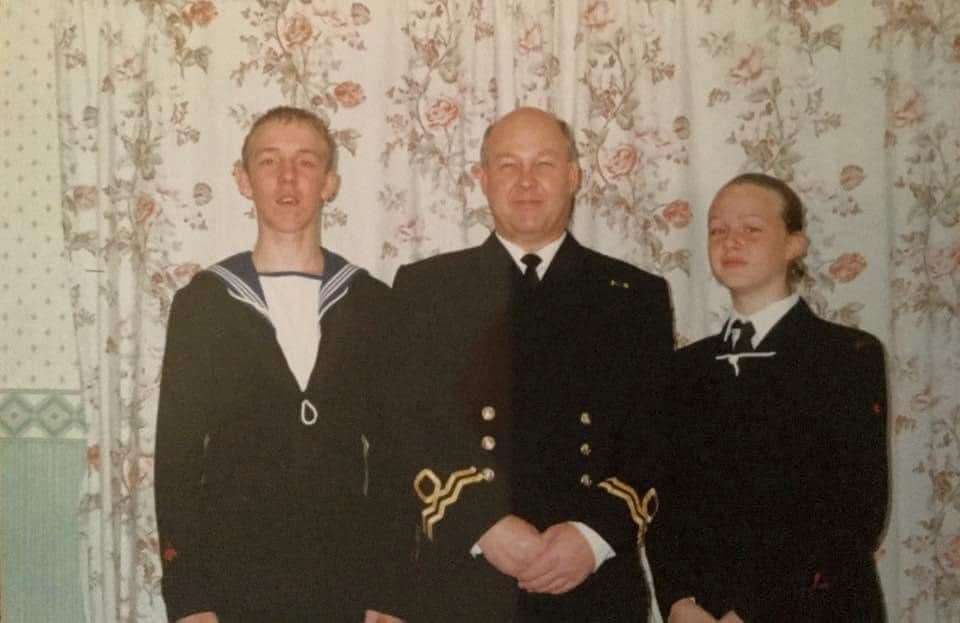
pixel 530 365
pixel 264 439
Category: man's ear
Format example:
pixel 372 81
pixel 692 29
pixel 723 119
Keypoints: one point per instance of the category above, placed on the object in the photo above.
pixel 574 177
pixel 330 186
pixel 242 179
pixel 480 174
pixel 797 245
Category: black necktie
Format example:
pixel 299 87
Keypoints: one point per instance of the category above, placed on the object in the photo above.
pixel 744 342
pixel 530 276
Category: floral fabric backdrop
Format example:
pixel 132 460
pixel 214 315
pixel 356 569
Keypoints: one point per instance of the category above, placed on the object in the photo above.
pixel 854 103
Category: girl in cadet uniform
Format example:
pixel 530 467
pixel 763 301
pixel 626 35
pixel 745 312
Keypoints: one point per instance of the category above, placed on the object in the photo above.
pixel 778 495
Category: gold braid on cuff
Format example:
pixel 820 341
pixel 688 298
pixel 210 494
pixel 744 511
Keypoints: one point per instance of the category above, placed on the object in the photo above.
pixel 642 512
pixel 438 498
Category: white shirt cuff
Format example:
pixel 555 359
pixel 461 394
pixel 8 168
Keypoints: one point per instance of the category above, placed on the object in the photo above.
pixel 602 552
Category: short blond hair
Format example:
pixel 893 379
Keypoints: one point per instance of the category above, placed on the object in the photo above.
pixel 292 114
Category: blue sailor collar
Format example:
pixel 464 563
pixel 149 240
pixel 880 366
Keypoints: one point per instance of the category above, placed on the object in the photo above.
pixel 240 276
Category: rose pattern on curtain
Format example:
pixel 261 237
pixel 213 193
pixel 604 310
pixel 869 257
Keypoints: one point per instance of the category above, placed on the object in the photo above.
pixel 853 103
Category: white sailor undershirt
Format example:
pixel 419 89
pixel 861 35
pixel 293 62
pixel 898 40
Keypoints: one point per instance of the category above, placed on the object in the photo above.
pixel 292 306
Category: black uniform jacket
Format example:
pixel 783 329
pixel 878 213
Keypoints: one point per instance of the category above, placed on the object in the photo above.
pixel 778 495
pixel 263 490
pixel 532 404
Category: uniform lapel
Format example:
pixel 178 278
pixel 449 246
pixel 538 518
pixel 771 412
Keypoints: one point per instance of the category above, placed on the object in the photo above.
pixel 494 274
pixel 788 333
pixel 566 262
pixel 480 320
pixel 563 289
pixel 338 275
pixel 561 326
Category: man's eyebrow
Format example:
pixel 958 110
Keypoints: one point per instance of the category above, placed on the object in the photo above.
pixel 739 216
pixel 264 150
pixel 550 151
pixel 312 152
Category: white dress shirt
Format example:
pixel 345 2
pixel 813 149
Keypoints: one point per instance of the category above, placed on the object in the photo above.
pixel 546 253
pixel 763 320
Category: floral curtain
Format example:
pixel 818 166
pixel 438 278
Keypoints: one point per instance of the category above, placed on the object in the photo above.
pixel 855 103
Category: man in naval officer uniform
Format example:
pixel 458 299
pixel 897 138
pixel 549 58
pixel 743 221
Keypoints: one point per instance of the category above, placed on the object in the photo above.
pixel 530 367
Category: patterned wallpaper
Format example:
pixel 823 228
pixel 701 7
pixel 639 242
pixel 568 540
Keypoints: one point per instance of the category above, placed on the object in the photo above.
pixel 39 380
